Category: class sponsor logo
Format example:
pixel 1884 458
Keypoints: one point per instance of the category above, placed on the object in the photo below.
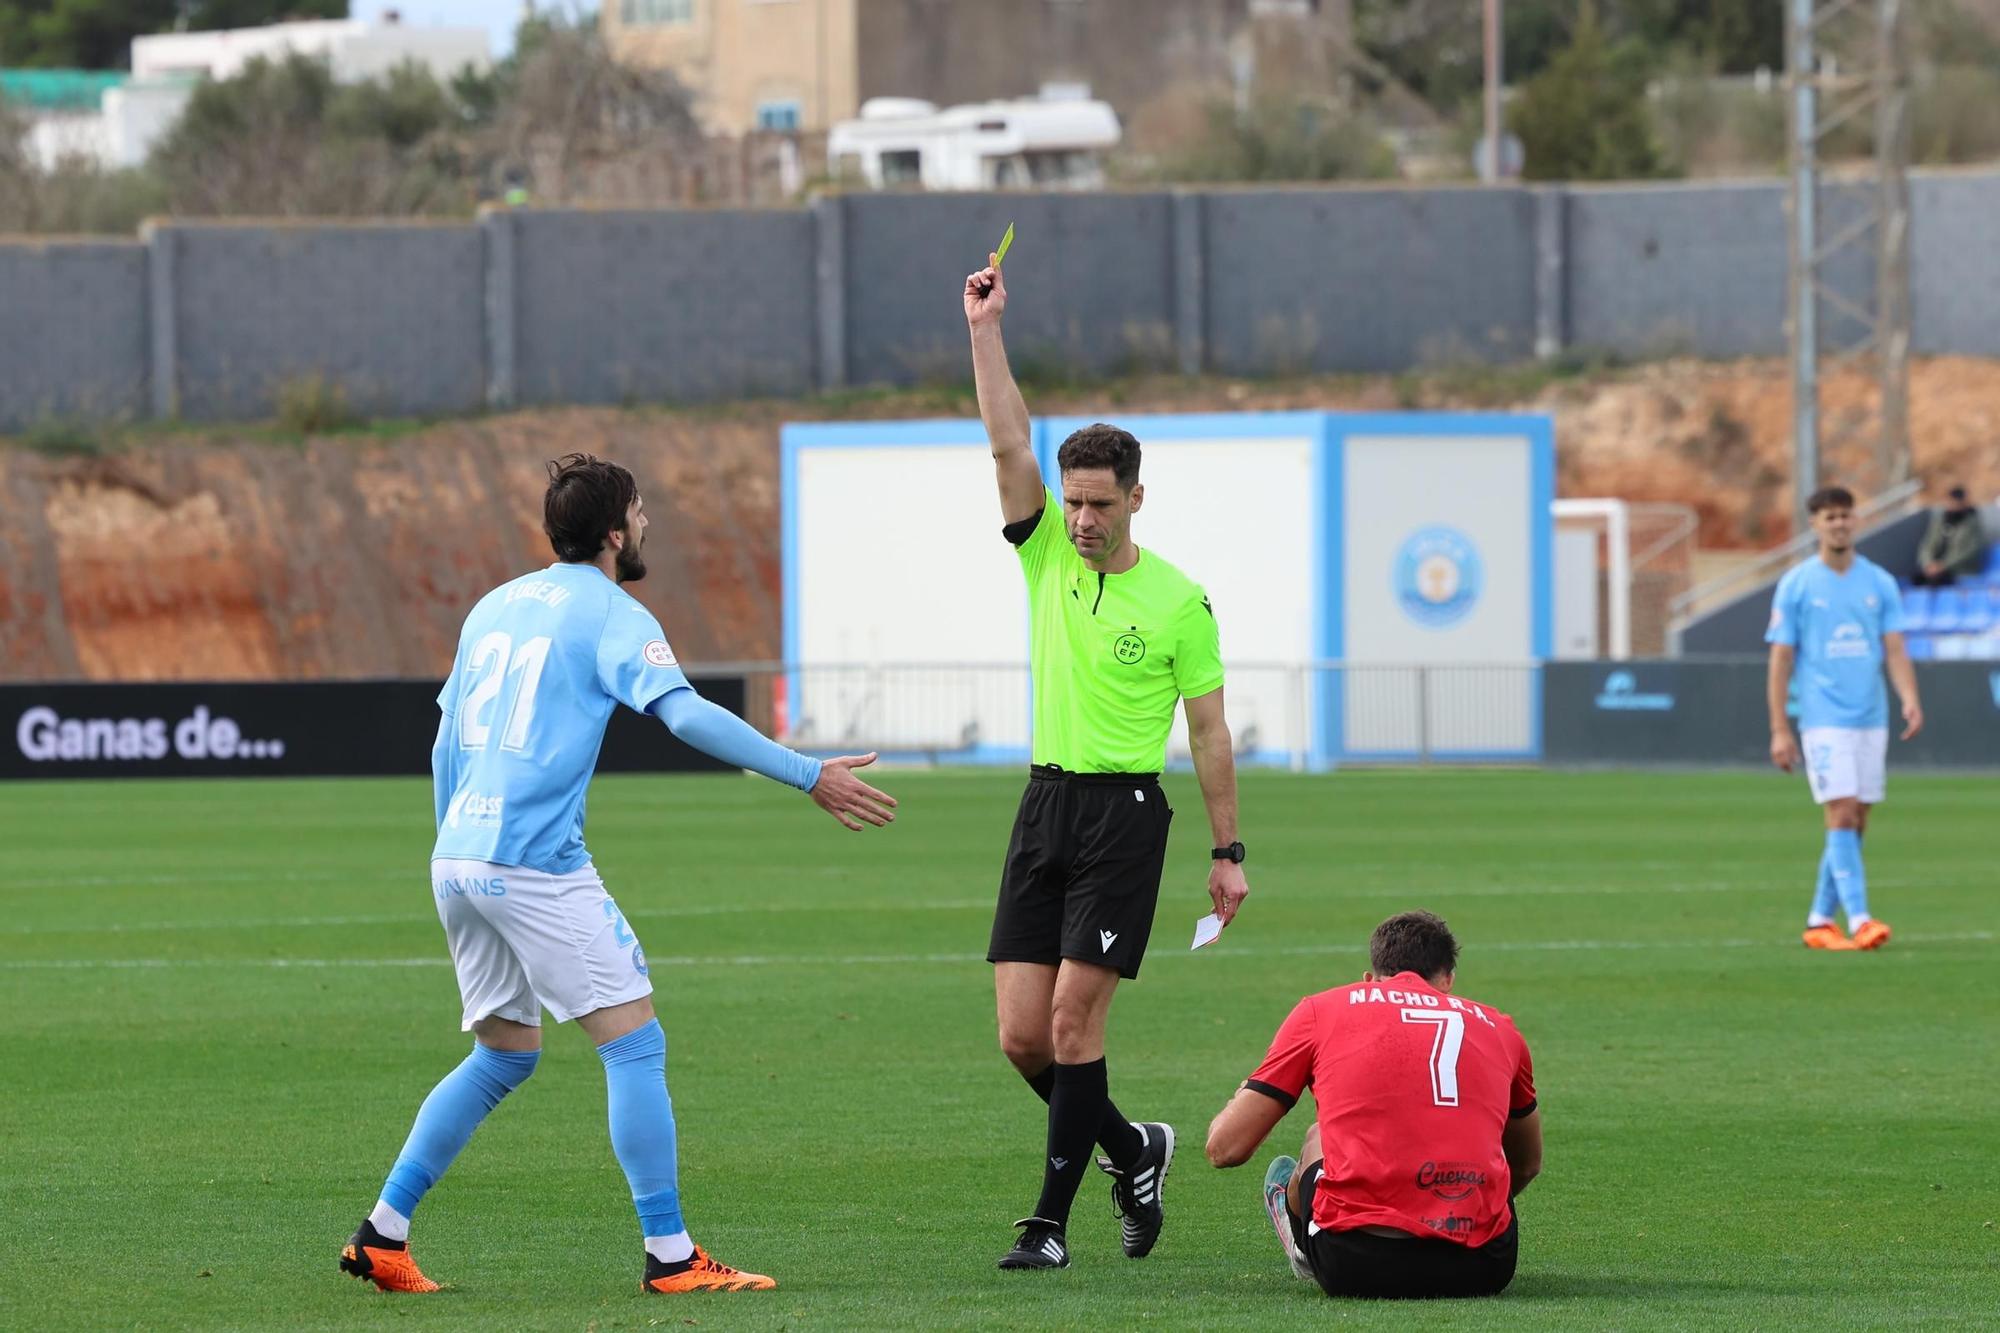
pixel 1438 576
pixel 1129 649
pixel 45 736
pixel 1621 695
pixel 1450 1181
pixel 658 654
pixel 475 808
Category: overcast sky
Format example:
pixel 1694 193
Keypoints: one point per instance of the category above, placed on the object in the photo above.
pixel 496 16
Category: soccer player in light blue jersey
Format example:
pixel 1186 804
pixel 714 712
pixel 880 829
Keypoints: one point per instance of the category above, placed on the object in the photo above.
pixel 1836 620
pixel 541 663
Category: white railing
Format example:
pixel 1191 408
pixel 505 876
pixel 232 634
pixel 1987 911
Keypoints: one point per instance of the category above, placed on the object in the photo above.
pixel 1299 715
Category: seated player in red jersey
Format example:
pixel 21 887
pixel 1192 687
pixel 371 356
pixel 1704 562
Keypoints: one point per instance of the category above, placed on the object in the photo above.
pixel 1426 1129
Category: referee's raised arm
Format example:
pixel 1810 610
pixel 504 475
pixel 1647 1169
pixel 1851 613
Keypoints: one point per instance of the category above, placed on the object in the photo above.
pixel 1000 403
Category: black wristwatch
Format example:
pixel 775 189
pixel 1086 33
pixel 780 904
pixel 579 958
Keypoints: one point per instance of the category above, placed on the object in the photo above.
pixel 1233 852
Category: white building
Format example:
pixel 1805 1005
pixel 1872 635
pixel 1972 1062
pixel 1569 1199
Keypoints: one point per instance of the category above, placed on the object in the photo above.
pixel 1033 143
pixel 140 111
pixel 355 50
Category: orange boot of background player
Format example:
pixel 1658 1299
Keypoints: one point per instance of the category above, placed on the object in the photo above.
pixel 1827 936
pixel 1871 934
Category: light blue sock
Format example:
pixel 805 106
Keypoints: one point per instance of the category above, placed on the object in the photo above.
pixel 642 1126
pixel 447 1118
pixel 1843 849
pixel 1826 897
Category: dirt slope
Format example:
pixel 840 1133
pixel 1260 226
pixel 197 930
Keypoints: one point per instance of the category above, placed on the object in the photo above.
pixel 188 558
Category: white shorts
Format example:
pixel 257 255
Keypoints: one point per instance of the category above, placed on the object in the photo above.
pixel 1844 762
pixel 524 939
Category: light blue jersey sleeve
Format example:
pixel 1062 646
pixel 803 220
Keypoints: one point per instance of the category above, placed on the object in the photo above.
pixel 635 665
pixel 716 731
pixel 1785 607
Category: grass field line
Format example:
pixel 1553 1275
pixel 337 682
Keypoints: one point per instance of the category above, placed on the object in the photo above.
pixel 1398 891
pixel 909 959
pixel 421 918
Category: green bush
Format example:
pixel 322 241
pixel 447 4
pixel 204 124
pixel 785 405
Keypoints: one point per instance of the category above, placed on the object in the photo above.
pixel 313 405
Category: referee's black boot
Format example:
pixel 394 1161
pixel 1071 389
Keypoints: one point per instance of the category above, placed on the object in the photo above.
pixel 1041 1246
pixel 1136 1196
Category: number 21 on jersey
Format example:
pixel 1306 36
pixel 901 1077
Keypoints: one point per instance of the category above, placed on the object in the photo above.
pixel 493 661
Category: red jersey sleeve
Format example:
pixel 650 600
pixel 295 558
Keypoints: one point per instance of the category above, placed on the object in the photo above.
pixel 1288 1066
pixel 1521 1097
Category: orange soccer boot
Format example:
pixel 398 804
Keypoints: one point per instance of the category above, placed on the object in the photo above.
pixel 1871 935
pixel 700 1273
pixel 1827 936
pixel 387 1263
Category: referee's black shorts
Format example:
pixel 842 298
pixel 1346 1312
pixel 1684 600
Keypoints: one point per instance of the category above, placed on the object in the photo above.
pixel 1362 1263
pixel 1083 870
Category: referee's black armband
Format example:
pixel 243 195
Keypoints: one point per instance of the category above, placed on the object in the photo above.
pixel 1278 1095
pixel 1017 533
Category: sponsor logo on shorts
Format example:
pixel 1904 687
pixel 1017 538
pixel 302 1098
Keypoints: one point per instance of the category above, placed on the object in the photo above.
pixel 45 736
pixel 468 886
pixel 1450 1181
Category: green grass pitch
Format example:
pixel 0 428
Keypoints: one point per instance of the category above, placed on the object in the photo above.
pixel 225 1001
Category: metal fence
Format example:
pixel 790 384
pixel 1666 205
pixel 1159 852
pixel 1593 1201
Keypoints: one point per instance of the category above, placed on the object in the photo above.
pixel 1300 716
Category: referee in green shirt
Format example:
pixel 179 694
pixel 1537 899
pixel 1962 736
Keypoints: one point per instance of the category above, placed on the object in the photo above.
pixel 1118 637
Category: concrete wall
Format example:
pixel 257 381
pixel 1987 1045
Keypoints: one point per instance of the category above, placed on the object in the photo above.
pixel 1955 264
pixel 211 321
pixel 1090 281
pixel 1367 279
pixel 390 313
pixel 72 331
pixel 627 307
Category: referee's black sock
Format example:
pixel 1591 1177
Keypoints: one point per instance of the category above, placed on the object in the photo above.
pixel 1076 1110
pixel 1121 1142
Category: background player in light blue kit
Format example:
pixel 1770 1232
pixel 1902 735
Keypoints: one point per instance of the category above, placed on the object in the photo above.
pixel 541 663
pixel 1834 622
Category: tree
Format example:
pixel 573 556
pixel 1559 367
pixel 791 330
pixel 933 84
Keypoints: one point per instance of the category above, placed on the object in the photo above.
pixel 283 139
pixel 1585 117
pixel 97 34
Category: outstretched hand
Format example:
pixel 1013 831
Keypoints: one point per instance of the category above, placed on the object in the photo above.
pixel 985 294
pixel 849 799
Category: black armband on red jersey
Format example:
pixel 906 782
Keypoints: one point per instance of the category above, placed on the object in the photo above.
pixel 1278 1095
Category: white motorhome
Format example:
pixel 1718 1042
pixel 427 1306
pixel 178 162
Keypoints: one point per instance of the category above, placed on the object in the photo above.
pixel 1031 143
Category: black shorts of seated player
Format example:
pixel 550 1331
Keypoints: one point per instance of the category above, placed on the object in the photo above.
pixel 1082 875
pixel 1371 1266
